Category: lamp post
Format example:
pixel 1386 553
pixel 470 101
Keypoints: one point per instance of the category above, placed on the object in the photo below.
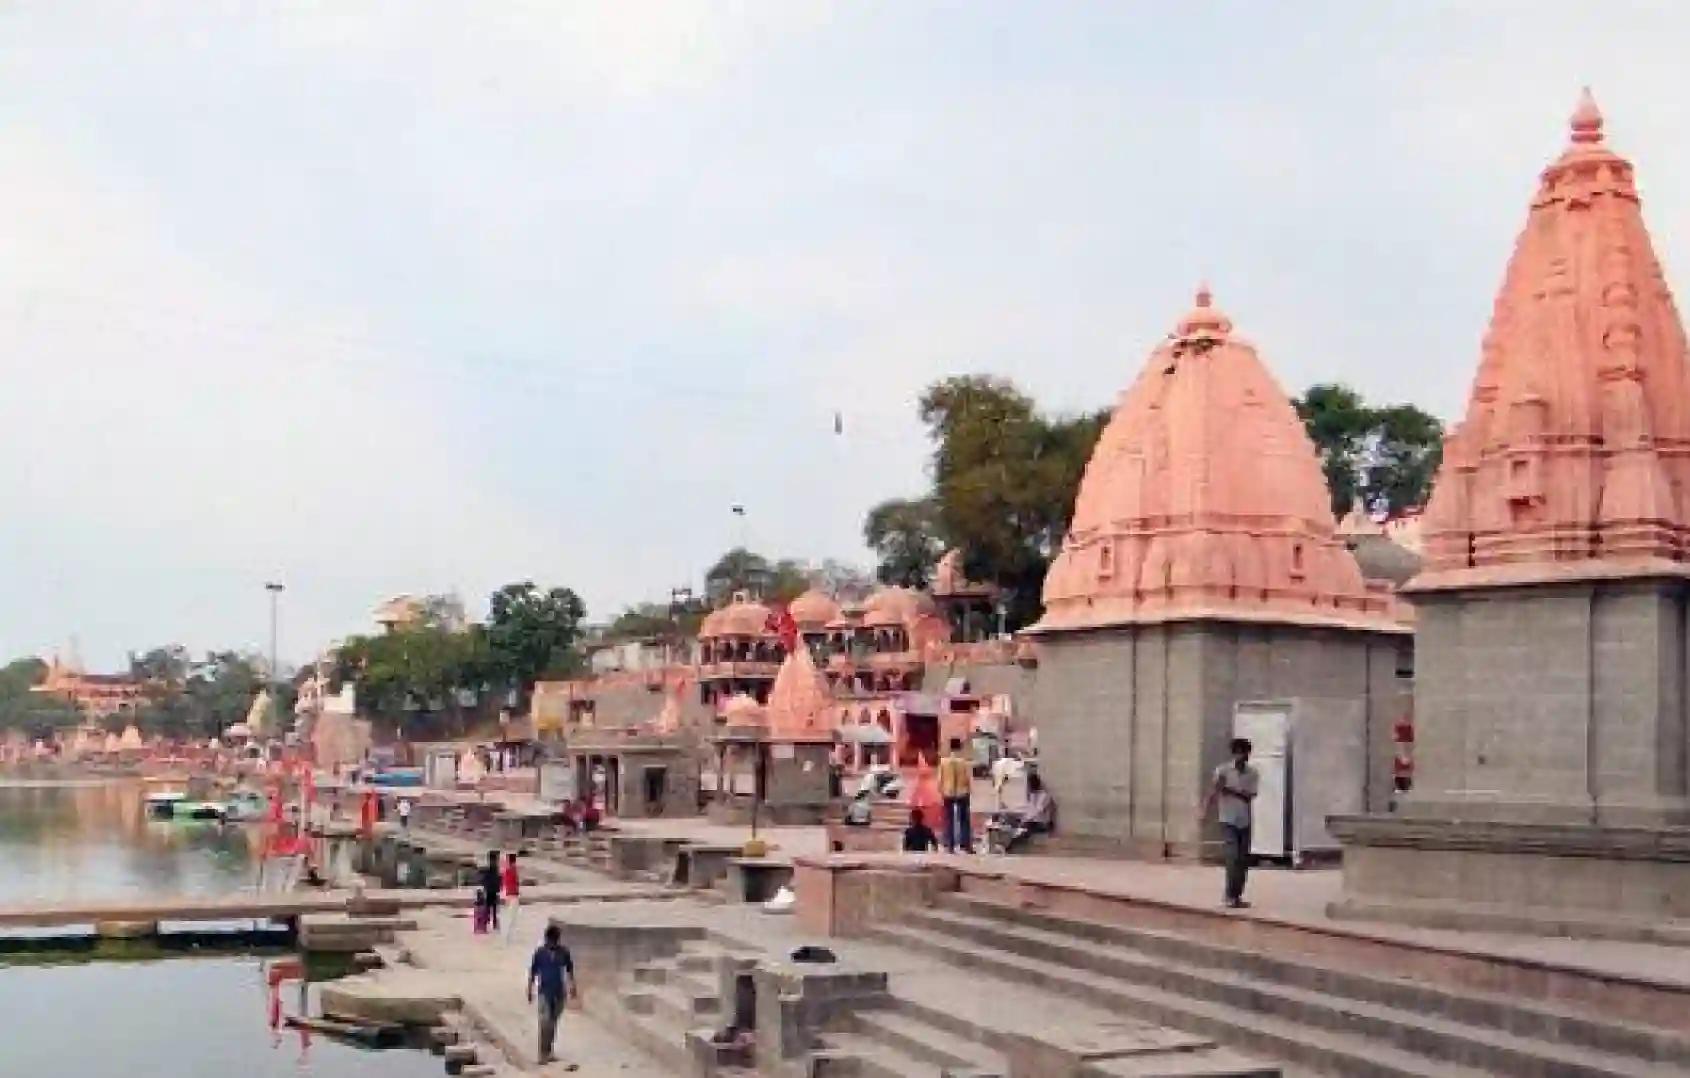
pixel 275 590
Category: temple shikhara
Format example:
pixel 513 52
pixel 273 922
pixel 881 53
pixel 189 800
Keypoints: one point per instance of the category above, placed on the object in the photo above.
pixel 1574 453
pixel 1203 580
pixel 1550 694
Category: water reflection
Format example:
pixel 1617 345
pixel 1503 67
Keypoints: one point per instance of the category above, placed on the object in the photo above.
pixel 198 1018
pixel 96 842
pixel 192 1017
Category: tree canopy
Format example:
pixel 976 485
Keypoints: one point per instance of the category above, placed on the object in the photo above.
pixel 1385 457
pixel 779 581
pixel 533 634
pixel 421 667
pixel 33 713
pixel 197 700
pixel 904 535
pixel 1004 481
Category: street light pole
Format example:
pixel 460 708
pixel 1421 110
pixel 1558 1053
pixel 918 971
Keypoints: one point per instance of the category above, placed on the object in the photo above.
pixel 275 591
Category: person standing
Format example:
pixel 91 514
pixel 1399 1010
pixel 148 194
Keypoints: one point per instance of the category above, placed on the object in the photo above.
pixel 956 782
pixel 405 813
pixel 1234 791
pixel 489 887
pixel 511 884
pixel 552 970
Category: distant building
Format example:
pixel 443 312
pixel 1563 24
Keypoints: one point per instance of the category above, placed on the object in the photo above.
pixel 95 695
pixel 409 611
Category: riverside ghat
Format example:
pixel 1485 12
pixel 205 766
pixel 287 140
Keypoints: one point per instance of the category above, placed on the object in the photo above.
pixel 1515 913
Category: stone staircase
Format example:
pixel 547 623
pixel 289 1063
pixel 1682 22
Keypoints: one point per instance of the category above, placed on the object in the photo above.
pixel 591 850
pixel 672 1007
pixel 1315 1018
pixel 988 1027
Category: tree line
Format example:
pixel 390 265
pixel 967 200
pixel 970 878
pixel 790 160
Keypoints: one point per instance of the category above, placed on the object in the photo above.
pixel 436 672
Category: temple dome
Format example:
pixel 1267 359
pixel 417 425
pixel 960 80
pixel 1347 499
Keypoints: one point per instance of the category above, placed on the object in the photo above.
pixel 1204 499
pixel 1569 460
pixel 896 605
pixel 813 610
pixel 800 705
pixel 743 710
pixel 742 617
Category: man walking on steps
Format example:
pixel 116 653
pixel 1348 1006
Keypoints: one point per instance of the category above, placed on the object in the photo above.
pixel 956 783
pixel 554 971
pixel 1234 790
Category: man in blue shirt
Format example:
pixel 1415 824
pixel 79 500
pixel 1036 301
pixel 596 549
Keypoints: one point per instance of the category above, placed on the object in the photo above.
pixel 554 971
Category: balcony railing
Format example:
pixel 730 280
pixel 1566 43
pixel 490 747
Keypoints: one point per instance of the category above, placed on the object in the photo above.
pixel 730 670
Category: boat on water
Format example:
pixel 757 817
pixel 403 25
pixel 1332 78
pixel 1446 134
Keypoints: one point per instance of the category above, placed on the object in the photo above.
pixel 176 805
pixel 246 805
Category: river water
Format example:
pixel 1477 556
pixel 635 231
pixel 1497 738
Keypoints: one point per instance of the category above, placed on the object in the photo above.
pixel 119 1009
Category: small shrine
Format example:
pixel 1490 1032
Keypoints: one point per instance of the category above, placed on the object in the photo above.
pixel 776 760
pixel 739 651
pixel 642 771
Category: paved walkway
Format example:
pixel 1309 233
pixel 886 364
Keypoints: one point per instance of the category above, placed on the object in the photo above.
pixel 489 974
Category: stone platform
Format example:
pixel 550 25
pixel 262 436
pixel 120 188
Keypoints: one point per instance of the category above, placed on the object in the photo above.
pixel 1554 879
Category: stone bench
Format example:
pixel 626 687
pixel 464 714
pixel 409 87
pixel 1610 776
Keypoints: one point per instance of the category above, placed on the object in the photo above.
pixel 872 838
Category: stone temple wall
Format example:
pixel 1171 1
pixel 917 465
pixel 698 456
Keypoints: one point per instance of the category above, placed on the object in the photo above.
pixel 1554 704
pixel 1134 719
pixel 627 704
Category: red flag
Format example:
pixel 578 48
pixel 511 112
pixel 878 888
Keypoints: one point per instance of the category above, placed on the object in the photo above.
pixel 781 623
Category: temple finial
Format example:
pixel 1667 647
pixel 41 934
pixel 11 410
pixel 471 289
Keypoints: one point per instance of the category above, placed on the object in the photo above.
pixel 1587 118
pixel 1205 295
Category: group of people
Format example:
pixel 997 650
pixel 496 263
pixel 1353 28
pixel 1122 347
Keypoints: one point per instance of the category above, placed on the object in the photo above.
pixel 495 887
pixel 1006 830
pixel 1230 795
pixel 551 970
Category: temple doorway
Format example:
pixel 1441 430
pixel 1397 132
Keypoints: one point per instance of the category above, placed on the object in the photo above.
pixel 921 740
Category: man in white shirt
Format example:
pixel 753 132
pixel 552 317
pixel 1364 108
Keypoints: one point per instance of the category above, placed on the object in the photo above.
pixel 1234 790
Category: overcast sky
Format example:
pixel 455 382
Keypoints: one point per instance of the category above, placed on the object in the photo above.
pixel 426 296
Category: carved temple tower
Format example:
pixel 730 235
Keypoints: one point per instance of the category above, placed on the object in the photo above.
pixel 1201 572
pixel 1552 640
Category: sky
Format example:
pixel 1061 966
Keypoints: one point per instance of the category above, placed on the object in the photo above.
pixel 373 297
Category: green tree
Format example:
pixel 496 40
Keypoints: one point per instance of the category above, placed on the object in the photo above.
pixel 199 700
pixel 162 666
pixel 533 634
pixel 789 579
pixel 1384 457
pixel 1403 457
pixel 738 570
pixel 904 535
pixel 32 713
pixel 415 670
pixel 675 620
pixel 1004 481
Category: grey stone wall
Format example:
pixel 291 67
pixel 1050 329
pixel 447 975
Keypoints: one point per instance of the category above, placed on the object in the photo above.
pixel 630 704
pixel 1553 704
pixel 1134 719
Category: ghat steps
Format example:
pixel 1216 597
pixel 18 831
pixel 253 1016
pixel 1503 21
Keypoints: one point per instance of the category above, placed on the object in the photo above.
pixel 1322 1018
